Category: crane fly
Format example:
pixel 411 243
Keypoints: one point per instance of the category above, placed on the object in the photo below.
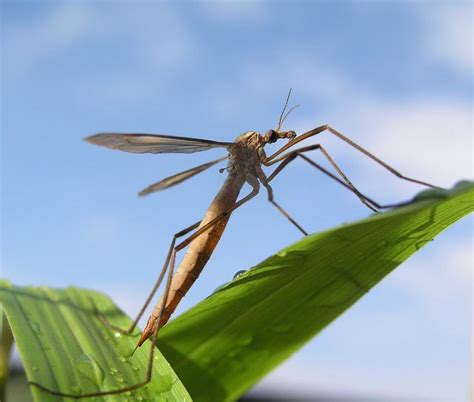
pixel 246 158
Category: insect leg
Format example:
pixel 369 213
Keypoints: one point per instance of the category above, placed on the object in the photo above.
pixel 158 282
pixel 291 156
pixel 162 313
pixel 168 266
pixel 263 178
pixel 333 131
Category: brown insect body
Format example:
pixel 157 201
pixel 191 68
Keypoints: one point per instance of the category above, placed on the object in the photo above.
pixel 245 158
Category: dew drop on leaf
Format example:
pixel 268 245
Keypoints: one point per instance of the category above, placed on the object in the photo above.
pixel 89 368
pixel 238 274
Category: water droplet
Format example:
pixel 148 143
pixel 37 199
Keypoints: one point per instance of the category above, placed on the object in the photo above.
pixel 136 368
pixel 123 359
pixel 164 383
pixel 238 274
pixel 120 379
pixel 117 335
pixel 89 368
pixel 127 393
pixel 282 253
pixel 245 340
pixel 34 368
pixel 113 371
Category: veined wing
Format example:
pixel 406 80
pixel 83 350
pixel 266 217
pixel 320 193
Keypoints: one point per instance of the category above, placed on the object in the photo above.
pixel 179 177
pixel 153 143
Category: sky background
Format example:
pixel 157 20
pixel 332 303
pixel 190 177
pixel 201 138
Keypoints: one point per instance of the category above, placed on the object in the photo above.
pixel 393 76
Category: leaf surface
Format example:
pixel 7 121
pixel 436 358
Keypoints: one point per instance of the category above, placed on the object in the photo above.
pixel 65 347
pixel 224 345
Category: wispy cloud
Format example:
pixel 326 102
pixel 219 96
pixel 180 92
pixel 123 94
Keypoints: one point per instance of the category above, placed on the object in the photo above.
pixel 448 32
pixel 429 278
pixel 37 39
pixel 428 139
pixel 152 39
pixel 163 37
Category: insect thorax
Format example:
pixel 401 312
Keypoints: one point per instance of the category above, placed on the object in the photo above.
pixel 246 152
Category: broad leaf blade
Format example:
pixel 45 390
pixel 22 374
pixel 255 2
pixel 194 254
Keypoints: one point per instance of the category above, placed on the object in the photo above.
pixel 65 347
pixel 225 344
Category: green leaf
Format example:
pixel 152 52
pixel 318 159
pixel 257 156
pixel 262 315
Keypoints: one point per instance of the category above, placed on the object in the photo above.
pixel 228 342
pixel 6 342
pixel 65 347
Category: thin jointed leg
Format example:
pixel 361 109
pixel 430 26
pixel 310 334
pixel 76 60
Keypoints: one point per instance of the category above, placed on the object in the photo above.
pixel 168 266
pixel 287 158
pixel 280 209
pixel 158 282
pixel 291 156
pixel 341 136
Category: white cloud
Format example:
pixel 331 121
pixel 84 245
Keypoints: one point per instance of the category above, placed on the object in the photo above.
pixel 450 264
pixel 154 37
pixel 430 140
pixel 60 27
pixel 163 36
pixel 351 381
pixel 448 34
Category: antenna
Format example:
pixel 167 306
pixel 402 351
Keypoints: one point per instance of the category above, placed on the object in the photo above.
pixel 283 116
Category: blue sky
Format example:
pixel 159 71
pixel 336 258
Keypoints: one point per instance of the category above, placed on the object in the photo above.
pixel 393 76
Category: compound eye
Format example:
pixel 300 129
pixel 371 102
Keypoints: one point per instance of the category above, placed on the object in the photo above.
pixel 271 136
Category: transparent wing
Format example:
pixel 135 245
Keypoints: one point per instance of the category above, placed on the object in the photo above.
pixel 179 177
pixel 154 144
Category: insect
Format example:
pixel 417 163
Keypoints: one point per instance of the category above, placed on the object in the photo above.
pixel 246 159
